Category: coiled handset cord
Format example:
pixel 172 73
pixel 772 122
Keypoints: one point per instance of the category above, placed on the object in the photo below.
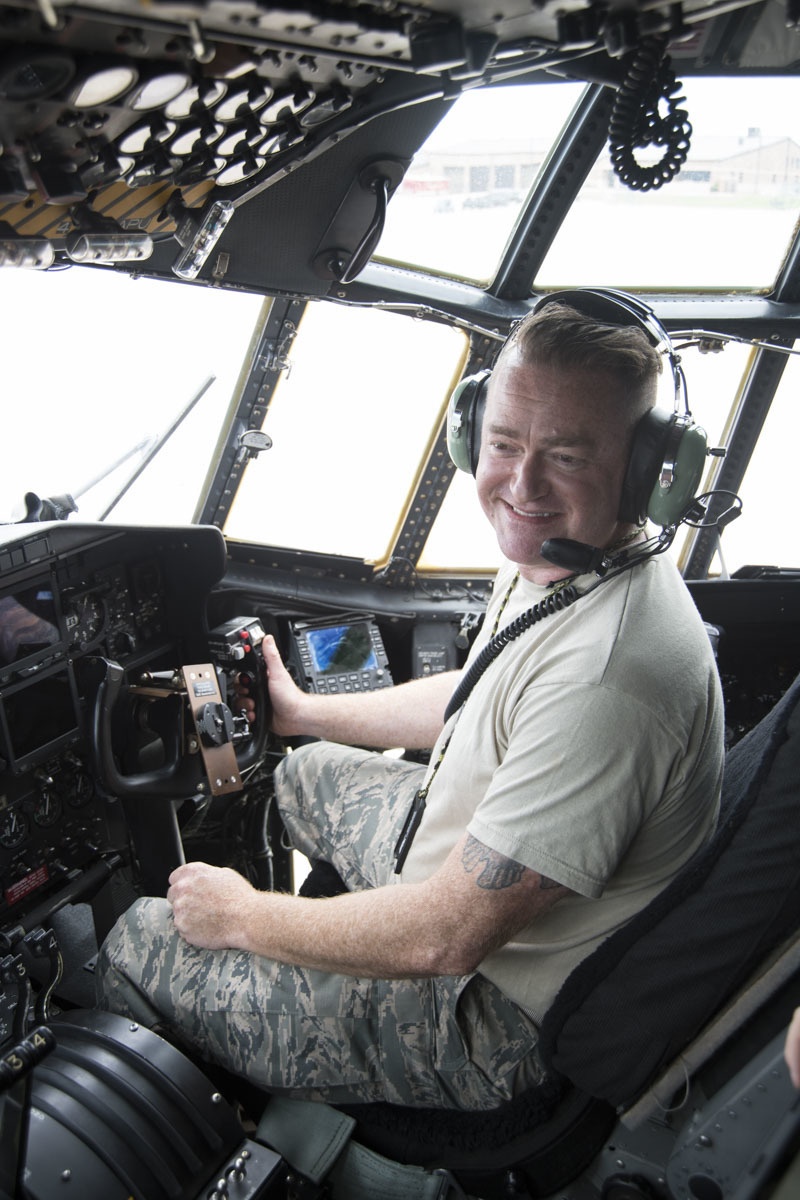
pixel 563 593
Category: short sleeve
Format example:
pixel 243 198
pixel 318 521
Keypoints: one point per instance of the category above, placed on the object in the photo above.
pixel 581 774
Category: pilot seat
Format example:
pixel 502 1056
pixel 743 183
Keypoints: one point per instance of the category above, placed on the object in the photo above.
pixel 669 1036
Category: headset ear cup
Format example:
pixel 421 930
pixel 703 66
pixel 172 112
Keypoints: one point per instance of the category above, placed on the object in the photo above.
pixel 677 485
pixel 664 468
pixel 465 420
pixel 644 465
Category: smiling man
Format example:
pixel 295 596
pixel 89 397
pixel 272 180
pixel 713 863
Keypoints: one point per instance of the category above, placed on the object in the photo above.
pixel 580 772
pixel 554 452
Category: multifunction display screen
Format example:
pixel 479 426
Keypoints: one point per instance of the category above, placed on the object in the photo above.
pixel 28 623
pixel 337 649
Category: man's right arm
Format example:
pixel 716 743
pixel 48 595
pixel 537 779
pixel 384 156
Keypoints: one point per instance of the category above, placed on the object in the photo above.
pixel 409 715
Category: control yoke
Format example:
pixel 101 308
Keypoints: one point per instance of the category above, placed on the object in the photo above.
pixel 205 747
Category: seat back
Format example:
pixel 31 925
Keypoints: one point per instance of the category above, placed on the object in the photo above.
pixel 631 1007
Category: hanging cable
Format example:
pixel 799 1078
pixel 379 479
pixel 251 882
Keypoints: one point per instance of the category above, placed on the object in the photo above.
pixel 646 113
pixel 553 603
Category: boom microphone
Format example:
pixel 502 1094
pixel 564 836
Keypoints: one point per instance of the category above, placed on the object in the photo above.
pixel 577 557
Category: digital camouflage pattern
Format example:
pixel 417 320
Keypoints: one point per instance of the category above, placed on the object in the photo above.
pixel 451 1041
pixel 347 807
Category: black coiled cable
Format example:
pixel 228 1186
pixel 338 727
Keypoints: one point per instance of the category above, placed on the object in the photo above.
pixel 553 603
pixel 646 113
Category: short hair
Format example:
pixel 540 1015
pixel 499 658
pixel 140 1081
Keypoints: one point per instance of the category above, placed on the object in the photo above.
pixel 558 335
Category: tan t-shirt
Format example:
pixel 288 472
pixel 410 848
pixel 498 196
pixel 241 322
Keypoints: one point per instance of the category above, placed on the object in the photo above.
pixel 590 751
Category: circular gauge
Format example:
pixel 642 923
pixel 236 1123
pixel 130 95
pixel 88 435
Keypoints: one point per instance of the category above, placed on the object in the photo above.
pixel 160 90
pixel 135 140
pixel 231 143
pixel 47 809
pixel 82 790
pixel 247 100
pixel 198 167
pixel 239 168
pixel 13 828
pixel 35 75
pixel 287 102
pixel 206 93
pixel 105 85
pixel 84 617
pixel 337 101
pixel 193 138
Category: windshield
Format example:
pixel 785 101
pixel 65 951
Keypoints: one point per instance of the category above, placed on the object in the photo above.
pixel 724 221
pixel 97 367
pixel 121 391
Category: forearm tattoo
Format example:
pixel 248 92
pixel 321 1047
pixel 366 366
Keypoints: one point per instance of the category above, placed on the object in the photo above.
pixel 496 871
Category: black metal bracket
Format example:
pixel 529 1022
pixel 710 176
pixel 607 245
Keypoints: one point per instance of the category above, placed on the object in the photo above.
pixel 353 235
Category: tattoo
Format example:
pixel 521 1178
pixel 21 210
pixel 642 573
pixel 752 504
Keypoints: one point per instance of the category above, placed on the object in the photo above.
pixel 497 871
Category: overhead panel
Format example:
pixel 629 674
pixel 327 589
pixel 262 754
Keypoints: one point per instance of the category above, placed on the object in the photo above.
pixel 136 133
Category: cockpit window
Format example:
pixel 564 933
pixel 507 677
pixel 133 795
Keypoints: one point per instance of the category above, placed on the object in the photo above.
pixel 463 193
pixel 350 422
pixel 766 532
pixel 724 221
pixel 98 368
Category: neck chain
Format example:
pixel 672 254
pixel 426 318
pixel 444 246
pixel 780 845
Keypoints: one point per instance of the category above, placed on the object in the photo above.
pixel 504 603
pixel 625 541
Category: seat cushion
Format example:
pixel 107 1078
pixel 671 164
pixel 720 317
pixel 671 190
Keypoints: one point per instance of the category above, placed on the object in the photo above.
pixel 630 1007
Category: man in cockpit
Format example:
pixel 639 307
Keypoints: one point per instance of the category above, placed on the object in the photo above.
pixel 579 774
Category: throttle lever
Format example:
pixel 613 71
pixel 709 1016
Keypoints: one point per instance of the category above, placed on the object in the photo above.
pixel 43 943
pixel 13 971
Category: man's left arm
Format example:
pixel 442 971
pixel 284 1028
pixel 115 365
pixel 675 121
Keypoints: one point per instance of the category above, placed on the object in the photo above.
pixel 476 902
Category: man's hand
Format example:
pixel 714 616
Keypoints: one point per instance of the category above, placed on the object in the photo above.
pixel 209 905
pixel 284 694
pixel 408 715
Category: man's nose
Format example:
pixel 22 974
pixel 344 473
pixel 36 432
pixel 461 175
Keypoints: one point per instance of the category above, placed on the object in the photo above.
pixel 529 479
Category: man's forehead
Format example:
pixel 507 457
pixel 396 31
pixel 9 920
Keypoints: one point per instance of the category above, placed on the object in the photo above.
pixel 568 407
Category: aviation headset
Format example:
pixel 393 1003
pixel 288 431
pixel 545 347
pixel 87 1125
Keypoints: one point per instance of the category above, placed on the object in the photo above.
pixel 668 449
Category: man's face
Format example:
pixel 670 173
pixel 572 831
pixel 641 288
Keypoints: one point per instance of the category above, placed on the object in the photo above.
pixel 553 455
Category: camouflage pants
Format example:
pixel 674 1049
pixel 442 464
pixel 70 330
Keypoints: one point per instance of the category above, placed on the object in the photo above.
pixel 451 1041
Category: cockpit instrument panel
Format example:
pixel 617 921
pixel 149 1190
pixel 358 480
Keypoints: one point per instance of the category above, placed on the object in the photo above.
pixel 70 595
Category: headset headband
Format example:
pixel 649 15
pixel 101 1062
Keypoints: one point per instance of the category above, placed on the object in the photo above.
pixel 612 307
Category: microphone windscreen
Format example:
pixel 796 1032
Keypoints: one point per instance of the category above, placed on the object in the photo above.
pixel 579 557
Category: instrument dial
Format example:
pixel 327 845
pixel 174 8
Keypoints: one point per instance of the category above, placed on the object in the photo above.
pixel 47 809
pixel 82 790
pixel 13 828
pixel 85 618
